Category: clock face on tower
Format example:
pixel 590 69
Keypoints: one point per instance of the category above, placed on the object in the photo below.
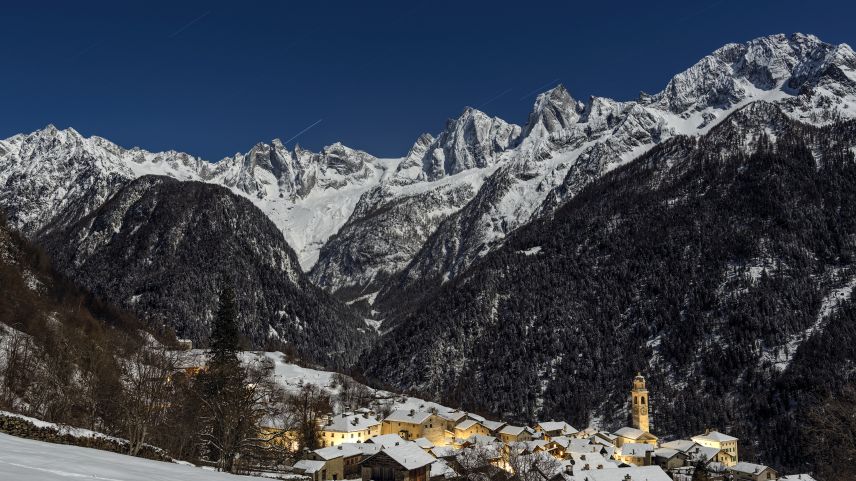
pixel 643 410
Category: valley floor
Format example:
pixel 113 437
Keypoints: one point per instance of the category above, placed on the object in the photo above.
pixel 28 460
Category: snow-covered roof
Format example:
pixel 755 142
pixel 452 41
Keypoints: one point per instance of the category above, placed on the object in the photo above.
pixel 409 455
pixel 593 460
pixel 748 468
pixel 481 439
pixel 680 444
pixel 408 416
pixel 424 443
pixel 536 444
pixel 646 473
pixel 703 453
pixel 562 441
pixel 386 440
pixel 453 416
pixel 512 430
pixel 603 438
pixel 557 426
pixel 667 453
pixel 344 423
pixel 340 450
pixel 309 466
pixel 797 477
pixel 466 424
pixel 492 425
pixel 714 436
pixel 476 417
pixel 635 449
pixel 631 433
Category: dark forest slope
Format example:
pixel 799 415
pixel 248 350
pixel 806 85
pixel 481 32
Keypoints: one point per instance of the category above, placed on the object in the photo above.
pixel 163 249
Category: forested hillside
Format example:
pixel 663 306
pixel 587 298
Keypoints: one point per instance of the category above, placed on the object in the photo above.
pixel 716 265
pixel 163 249
pixel 58 343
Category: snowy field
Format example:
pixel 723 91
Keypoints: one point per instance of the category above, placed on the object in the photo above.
pixel 28 460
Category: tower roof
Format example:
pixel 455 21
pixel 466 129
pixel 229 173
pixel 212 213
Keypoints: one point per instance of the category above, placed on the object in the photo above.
pixel 638 382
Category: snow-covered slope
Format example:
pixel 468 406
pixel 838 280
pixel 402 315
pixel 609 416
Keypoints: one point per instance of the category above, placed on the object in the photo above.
pixel 29 460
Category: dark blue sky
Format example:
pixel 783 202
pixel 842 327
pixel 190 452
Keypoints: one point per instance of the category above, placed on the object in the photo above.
pixel 213 78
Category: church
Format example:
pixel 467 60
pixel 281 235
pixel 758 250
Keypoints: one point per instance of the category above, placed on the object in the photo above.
pixel 639 407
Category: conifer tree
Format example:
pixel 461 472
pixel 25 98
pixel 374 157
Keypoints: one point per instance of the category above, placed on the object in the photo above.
pixel 224 342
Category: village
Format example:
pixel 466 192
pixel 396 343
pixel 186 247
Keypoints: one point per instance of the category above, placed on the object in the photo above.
pixel 437 444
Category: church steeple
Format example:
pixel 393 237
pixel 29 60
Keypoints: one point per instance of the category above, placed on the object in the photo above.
pixel 639 404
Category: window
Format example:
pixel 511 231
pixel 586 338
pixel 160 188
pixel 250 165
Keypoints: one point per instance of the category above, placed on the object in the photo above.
pixel 643 399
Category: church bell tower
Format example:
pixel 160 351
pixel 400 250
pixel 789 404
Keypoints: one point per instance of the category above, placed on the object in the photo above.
pixel 639 404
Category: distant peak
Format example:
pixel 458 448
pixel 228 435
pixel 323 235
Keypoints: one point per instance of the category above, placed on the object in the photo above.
pixel 557 91
pixel 554 110
pixel 51 130
pixel 472 112
pixel 425 138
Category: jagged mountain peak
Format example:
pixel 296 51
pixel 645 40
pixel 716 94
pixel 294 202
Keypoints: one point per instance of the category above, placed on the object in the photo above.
pixel 472 140
pixel 422 141
pixel 554 110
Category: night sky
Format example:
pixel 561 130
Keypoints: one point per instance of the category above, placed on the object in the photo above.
pixel 214 78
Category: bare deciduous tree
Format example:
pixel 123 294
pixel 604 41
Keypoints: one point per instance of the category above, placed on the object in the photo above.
pixel 309 406
pixel 233 414
pixel 146 376
pixel 528 466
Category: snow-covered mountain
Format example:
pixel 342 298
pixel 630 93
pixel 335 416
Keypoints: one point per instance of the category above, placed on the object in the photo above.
pixel 54 176
pixel 567 143
pixel 363 225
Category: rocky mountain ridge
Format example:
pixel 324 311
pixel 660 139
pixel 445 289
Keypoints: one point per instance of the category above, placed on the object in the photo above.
pixel 369 228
